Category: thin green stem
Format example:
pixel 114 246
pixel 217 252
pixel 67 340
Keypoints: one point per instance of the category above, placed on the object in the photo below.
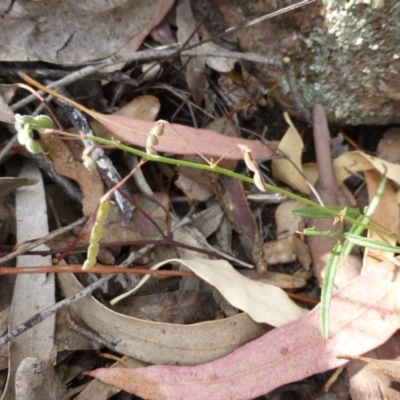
pixel 219 170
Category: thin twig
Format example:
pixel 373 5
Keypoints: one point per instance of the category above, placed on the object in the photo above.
pixel 31 245
pixel 294 89
pixel 98 269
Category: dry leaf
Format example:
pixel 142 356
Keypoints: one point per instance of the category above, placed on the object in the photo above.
pixel 71 33
pixel 32 293
pixel 100 391
pixel 65 164
pixel 362 309
pixel 159 343
pixel 36 380
pixel 388 367
pixel 7 217
pixel 177 139
pixel 386 214
pixel 144 107
pixel 195 66
pixel 288 168
pixel 264 303
pixel 389 145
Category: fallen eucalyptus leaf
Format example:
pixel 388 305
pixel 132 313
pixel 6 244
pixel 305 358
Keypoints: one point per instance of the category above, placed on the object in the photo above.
pixel 263 302
pixel 362 318
pixel 160 343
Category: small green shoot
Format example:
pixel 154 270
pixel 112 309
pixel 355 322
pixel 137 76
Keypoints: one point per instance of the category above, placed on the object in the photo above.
pixel 25 125
pixel 346 242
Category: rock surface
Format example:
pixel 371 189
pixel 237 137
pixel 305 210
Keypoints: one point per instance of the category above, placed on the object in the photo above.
pixel 346 54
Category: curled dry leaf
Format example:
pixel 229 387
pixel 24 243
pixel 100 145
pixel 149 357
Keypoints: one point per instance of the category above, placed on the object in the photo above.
pixel 362 309
pixel 264 303
pixel 288 168
pixel 161 343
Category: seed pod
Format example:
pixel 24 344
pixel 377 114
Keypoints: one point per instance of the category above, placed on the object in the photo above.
pixel 103 210
pixel 158 128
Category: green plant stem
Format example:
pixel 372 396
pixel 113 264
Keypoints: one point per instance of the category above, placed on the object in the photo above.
pixel 219 170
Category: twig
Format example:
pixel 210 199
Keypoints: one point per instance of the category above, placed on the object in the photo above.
pixel 31 245
pixel 294 89
pixel 80 123
pixel 99 269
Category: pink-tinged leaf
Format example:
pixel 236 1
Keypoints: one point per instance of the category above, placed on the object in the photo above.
pixel 181 139
pixel 362 318
pixel 177 139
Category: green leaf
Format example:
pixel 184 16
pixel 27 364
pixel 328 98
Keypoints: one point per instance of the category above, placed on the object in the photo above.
pixel 24 133
pixel 327 212
pixel 316 232
pixel 42 122
pixel 359 226
pixel 34 147
pixel 327 288
pixel 371 243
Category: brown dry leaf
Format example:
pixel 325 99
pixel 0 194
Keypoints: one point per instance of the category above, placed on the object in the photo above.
pixel 232 198
pixel 288 169
pixel 117 229
pixel 159 343
pixel 176 307
pixel 65 164
pixel 195 66
pixel 284 281
pixel 71 33
pixel 143 107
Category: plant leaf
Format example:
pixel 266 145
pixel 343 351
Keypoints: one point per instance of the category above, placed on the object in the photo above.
pixel 362 318
pixel 316 232
pixel 177 139
pixel 327 288
pixel 310 212
pixel 371 243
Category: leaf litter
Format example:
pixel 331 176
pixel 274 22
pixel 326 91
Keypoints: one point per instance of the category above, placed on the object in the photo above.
pixel 231 356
